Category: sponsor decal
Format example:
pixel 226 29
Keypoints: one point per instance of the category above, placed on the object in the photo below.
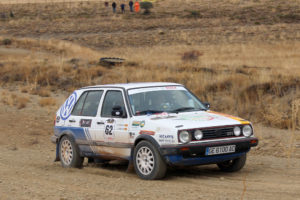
pixel 110 121
pixel 138 123
pixel 159 117
pixel 135 123
pixel 163 115
pixel 121 127
pixel 151 89
pixel 166 139
pixel 131 134
pixel 147 132
pixel 166 136
pixel 85 122
pixel 196 118
pixel 171 87
pixel 142 124
pixel 66 109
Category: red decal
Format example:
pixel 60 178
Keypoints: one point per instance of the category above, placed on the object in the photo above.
pixel 147 132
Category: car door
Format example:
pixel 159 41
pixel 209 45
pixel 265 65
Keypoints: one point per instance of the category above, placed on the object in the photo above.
pixel 83 117
pixel 113 124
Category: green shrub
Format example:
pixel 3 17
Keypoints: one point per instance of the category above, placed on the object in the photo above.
pixel 146 5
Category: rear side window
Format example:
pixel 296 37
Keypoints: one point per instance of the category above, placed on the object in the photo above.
pixel 112 99
pixel 88 104
pixel 79 105
pixel 91 103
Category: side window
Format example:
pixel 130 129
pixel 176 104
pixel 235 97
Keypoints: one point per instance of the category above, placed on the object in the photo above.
pixel 112 99
pixel 91 103
pixel 78 107
pixel 87 104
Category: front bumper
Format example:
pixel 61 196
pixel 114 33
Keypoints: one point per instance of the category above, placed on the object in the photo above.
pixel 194 154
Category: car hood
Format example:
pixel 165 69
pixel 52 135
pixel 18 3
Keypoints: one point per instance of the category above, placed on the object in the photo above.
pixel 189 120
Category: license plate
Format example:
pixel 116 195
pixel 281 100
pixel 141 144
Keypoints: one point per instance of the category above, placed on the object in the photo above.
pixel 220 150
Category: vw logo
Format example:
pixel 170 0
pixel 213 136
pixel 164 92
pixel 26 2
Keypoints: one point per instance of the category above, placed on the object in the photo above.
pixel 66 109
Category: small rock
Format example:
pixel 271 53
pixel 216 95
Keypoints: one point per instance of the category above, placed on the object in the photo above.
pixel 222 178
pixel 161 32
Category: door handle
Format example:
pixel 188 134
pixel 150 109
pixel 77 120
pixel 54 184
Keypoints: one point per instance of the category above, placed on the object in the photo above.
pixel 100 123
pixel 72 120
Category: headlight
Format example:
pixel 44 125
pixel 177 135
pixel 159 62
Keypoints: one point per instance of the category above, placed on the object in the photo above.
pixel 184 137
pixel 247 130
pixel 237 131
pixel 198 134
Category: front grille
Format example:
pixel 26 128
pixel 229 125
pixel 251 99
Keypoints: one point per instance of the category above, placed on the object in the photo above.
pixel 217 133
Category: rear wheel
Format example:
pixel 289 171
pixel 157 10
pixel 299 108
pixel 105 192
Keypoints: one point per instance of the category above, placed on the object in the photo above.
pixel 233 165
pixel 69 153
pixel 148 163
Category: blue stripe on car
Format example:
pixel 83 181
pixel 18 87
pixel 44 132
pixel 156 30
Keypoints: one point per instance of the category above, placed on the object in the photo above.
pixel 78 133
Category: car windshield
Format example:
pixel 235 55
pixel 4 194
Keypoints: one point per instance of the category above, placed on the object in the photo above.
pixel 175 99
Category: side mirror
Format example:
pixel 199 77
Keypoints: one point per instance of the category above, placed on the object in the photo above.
pixel 117 111
pixel 207 105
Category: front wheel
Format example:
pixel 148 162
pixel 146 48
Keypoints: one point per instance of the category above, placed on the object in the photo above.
pixel 233 165
pixel 148 163
pixel 69 153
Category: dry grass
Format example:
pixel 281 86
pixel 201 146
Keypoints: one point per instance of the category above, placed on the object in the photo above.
pixel 46 102
pixel 12 99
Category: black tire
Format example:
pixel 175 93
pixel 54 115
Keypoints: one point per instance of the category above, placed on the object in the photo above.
pixel 233 165
pixel 157 170
pixel 71 158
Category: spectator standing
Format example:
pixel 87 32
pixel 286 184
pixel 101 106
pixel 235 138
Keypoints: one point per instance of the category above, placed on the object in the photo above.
pixel 106 4
pixel 123 7
pixel 136 6
pixel 11 14
pixel 131 6
pixel 114 6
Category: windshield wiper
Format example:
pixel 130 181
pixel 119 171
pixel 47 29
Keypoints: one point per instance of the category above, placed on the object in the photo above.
pixel 182 109
pixel 149 112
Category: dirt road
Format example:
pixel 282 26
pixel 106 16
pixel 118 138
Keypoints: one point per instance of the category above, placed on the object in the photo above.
pixel 27 170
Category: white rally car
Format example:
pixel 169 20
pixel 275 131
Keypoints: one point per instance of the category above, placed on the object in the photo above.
pixel 152 125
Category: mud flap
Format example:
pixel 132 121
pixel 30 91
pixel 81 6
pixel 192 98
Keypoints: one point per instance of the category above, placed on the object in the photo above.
pixel 130 167
pixel 57 152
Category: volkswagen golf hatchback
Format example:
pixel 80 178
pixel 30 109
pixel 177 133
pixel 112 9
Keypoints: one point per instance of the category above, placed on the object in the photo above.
pixel 152 125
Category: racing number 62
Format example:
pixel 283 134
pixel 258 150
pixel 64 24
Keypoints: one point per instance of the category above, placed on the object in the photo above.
pixel 108 129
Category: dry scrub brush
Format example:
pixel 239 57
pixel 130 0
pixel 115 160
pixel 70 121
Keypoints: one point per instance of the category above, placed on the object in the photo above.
pixel 12 99
pixel 47 102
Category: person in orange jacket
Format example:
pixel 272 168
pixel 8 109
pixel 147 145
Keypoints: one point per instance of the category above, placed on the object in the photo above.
pixel 136 6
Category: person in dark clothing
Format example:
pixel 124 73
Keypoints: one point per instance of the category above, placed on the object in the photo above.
pixel 12 15
pixel 131 6
pixel 106 4
pixel 114 5
pixel 123 7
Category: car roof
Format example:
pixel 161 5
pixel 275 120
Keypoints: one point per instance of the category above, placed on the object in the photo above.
pixel 134 85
